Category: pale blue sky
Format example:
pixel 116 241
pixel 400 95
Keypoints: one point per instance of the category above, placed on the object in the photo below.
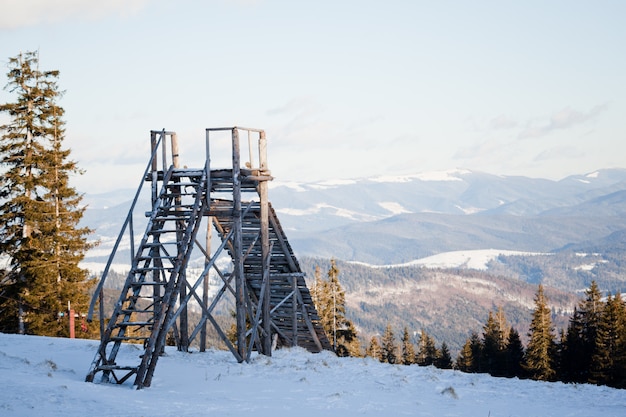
pixel 344 89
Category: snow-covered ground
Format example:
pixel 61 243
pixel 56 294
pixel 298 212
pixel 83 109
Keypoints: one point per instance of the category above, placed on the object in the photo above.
pixel 43 376
pixel 470 259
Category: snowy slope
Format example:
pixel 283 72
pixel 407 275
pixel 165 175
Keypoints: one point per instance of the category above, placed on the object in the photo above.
pixel 471 259
pixel 44 377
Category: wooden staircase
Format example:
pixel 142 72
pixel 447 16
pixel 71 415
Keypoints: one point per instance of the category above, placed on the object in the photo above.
pixel 149 296
pixel 273 304
pixel 286 279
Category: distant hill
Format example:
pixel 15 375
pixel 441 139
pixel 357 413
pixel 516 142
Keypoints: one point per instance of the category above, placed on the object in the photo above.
pixel 392 220
pixel 449 304
pixel 575 228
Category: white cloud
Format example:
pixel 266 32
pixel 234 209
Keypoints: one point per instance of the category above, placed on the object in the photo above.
pixel 563 119
pixel 502 122
pixel 24 13
pixel 560 152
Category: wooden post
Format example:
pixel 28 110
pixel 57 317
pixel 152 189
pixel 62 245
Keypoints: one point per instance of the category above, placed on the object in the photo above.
pixel 154 169
pixel 265 246
pixel 183 320
pixel 205 284
pixel 294 300
pixel 101 313
pixel 240 283
pixel 175 155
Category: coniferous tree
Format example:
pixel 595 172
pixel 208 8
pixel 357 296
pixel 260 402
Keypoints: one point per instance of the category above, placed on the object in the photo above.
pixel 374 350
pixel 465 360
pixel 620 356
pixel 477 347
pixel 494 344
pixel 427 352
pixel 331 307
pixel 577 354
pixel 538 361
pixel 317 289
pixel 39 211
pixel 514 354
pixel 604 362
pixel 389 349
pixel 408 349
pixel 572 360
pixel 444 360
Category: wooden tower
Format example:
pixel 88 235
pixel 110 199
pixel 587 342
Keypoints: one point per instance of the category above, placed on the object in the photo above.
pixel 261 279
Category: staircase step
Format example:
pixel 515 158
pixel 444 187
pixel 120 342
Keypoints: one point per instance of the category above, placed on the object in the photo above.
pixel 149 283
pixel 134 323
pixel 127 338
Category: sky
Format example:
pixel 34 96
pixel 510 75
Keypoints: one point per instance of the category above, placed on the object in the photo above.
pixel 344 89
pixel 45 376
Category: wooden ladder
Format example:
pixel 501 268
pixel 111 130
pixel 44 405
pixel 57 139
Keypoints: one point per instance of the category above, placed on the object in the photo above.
pixel 144 312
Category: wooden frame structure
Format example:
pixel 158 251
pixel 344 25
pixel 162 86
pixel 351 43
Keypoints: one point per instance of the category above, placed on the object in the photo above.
pixel 273 306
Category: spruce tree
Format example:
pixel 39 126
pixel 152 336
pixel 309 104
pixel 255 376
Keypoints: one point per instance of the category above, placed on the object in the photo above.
pixel 389 349
pixel 620 356
pixel 374 350
pixel 573 362
pixel 408 349
pixel 476 346
pixel 581 335
pixel 39 211
pixel 495 338
pixel 493 347
pixel 465 359
pixel 317 289
pixel 514 355
pixel 604 362
pixel 427 352
pixel 444 359
pixel 538 361
pixel 331 307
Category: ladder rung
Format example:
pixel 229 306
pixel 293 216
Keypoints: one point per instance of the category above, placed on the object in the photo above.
pixel 134 323
pixel 122 338
pixel 160 231
pixel 117 368
pixel 170 218
pixel 146 258
pixel 182 184
pixel 152 268
pixel 134 310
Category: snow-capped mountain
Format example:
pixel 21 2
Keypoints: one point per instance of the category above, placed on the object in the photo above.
pixel 400 219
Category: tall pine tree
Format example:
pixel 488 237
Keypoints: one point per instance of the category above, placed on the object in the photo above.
pixel 514 354
pixel 374 350
pixel 538 361
pixel 465 360
pixel 444 359
pixel 580 340
pixel 427 352
pixel 330 301
pixel 389 349
pixel 605 360
pixel 495 336
pixel 408 349
pixel 40 211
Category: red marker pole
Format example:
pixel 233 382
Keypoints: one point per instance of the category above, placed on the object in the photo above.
pixel 71 314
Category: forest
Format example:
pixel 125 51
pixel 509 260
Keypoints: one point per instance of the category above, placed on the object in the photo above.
pixel 591 350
